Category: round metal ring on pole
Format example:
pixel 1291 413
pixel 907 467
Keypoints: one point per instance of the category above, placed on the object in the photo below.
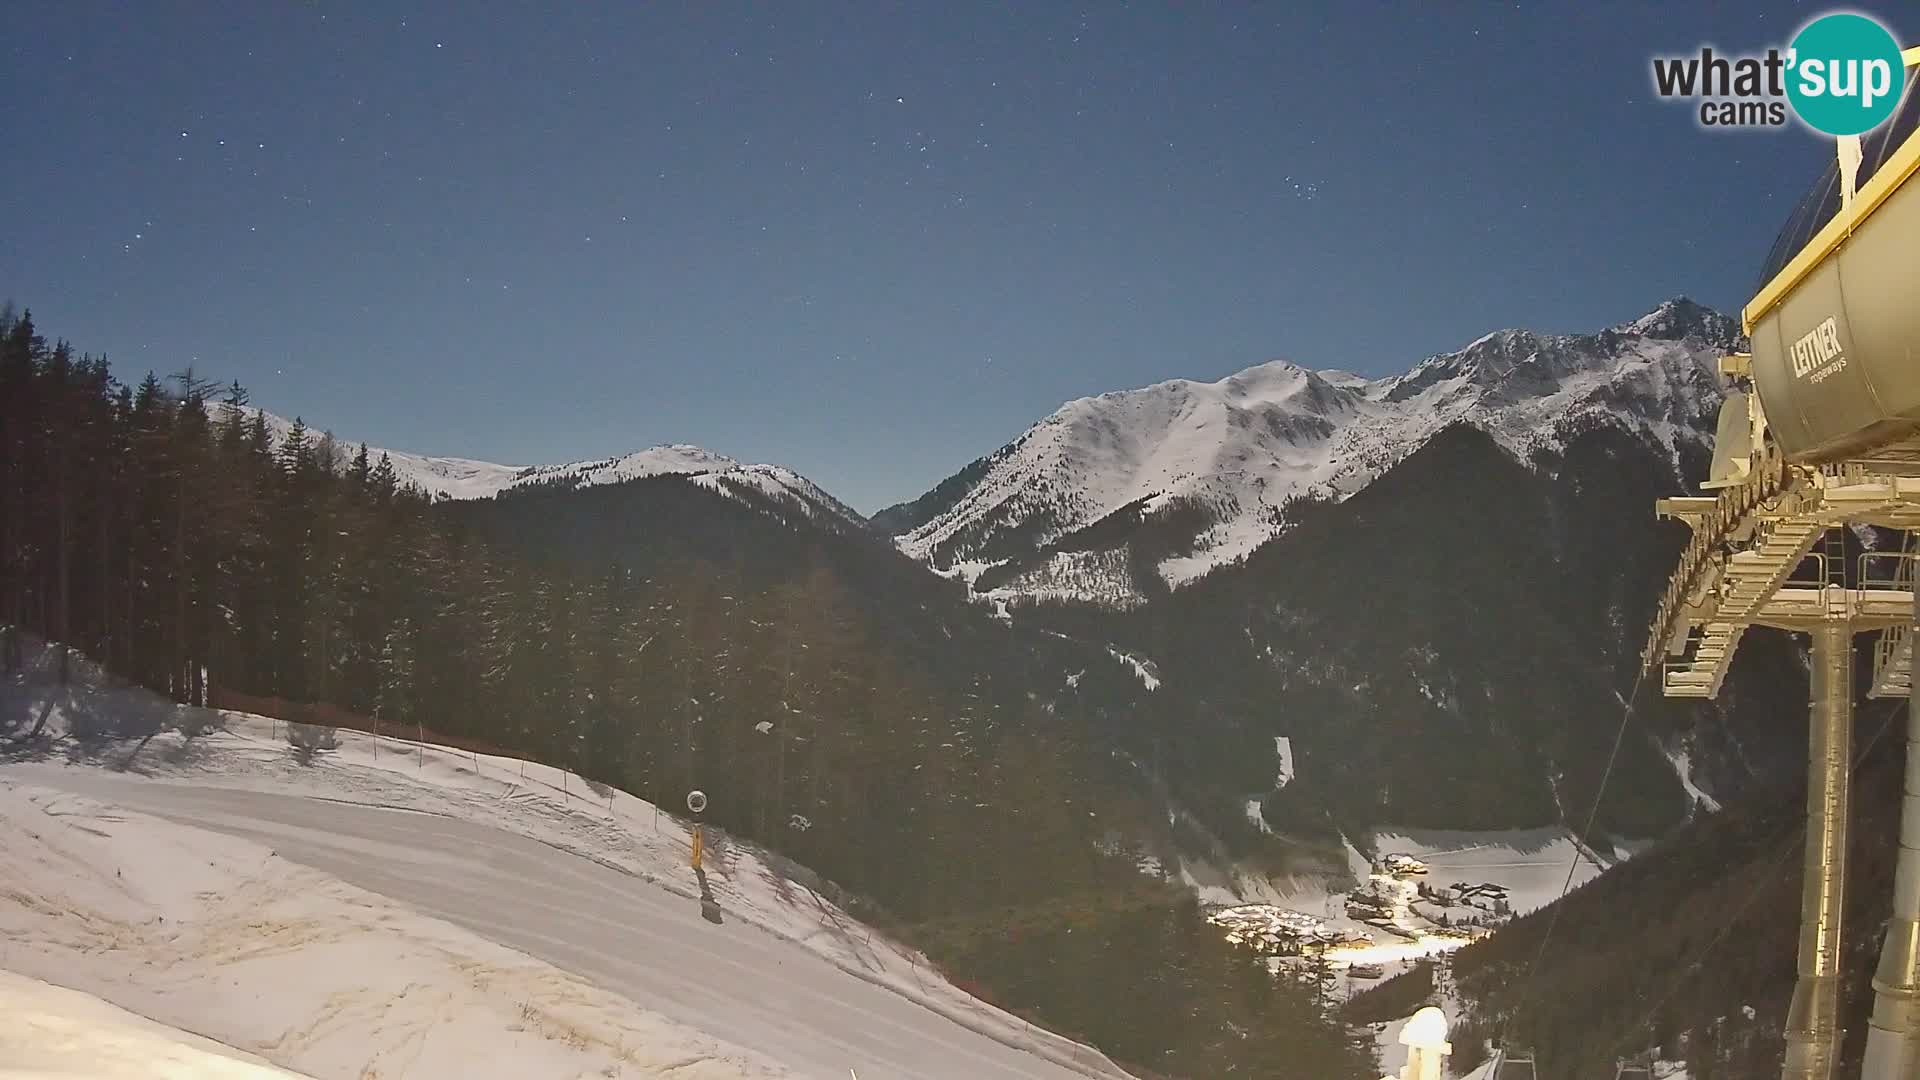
pixel 697 801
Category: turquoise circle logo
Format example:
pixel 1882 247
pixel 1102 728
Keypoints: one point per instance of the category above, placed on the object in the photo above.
pixel 1846 76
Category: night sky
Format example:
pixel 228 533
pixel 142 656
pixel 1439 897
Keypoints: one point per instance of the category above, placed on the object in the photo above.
pixel 868 241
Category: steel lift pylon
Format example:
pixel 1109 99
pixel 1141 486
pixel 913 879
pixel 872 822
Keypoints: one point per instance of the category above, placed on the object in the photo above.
pixel 1821 435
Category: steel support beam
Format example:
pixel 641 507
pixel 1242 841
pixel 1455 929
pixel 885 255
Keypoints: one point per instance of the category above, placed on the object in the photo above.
pixel 1813 1020
pixel 1893 1035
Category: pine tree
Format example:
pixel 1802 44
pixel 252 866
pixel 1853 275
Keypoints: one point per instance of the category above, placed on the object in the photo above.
pixel 361 470
pixel 382 480
pixel 194 556
pixel 290 547
pixel 20 353
pixel 176 540
pixel 62 421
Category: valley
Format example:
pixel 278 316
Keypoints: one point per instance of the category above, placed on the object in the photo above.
pixel 1425 896
pixel 958 542
pixel 1211 759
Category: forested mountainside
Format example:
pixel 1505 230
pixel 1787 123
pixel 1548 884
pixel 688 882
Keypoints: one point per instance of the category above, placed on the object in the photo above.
pixel 190 550
pixel 1447 646
pixel 1689 947
pixel 1450 646
pixel 1446 636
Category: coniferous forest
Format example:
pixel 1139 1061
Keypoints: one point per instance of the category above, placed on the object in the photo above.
pixel 163 528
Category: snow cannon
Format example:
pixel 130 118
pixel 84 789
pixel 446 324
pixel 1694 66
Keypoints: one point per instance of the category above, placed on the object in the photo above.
pixel 1425 1037
pixel 697 805
pixel 1834 327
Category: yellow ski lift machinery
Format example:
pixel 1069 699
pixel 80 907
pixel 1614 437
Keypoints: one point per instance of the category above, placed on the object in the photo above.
pixel 1826 435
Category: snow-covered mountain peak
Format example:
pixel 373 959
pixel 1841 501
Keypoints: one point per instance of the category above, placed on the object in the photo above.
pixel 1275 377
pixel 1052 513
pixel 1260 392
pixel 1680 319
pixel 683 457
pixel 464 478
pixel 669 460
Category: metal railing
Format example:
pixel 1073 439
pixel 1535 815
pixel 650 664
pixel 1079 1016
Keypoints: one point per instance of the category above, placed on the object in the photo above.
pixel 1894 638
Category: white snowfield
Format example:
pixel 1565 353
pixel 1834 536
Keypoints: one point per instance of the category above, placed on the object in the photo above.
pixel 1532 864
pixel 391 911
pixel 464 478
pixel 220 935
pixel 1243 447
pixel 49 1027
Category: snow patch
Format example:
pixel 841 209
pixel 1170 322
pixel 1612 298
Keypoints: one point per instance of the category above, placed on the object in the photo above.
pixel 1682 761
pixel 1531 864
pixel 1358 865
pixel 1148 674
pixel 51 1029
pixel 1257 819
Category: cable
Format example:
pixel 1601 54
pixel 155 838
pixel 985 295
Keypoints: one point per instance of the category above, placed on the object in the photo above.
pixel 1793 840
pixel 1573 865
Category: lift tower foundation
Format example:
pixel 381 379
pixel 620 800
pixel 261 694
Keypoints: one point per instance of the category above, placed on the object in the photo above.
pixel 1892 1033
pixel 1813 1020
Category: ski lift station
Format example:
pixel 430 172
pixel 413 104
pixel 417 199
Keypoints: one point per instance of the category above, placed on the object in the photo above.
pixel 1819 436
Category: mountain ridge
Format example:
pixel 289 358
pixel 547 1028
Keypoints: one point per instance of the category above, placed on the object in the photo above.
pixel 465 479
pixel 1207 468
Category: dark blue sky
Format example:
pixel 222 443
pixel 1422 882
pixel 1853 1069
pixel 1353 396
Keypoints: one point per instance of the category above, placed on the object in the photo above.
pixel 869 241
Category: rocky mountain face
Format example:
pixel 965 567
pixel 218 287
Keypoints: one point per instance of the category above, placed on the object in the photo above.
pixel 1118 498
pixel 1443 624
pixel 1451 646
pixel 1432 586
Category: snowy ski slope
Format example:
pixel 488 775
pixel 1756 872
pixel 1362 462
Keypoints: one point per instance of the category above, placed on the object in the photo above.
pixel 399 910
pixel 49 1026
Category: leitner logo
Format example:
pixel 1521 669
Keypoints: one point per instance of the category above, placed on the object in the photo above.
pixel 1842 76
pixel 1818 352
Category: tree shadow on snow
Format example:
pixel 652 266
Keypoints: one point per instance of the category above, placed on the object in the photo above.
pixel 86 725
